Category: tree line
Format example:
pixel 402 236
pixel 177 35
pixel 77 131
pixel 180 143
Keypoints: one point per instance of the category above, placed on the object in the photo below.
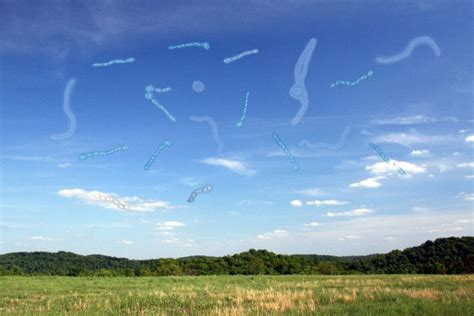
pixel 443 256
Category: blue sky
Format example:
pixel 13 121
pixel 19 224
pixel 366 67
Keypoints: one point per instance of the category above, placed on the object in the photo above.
pixel 341 201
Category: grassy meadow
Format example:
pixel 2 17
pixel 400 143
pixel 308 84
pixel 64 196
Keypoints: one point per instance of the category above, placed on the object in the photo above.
pixel 239 295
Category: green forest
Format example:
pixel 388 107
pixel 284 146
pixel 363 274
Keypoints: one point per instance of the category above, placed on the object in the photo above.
pixel 442 256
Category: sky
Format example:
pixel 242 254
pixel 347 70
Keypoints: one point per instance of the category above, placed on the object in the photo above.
pixel 343 198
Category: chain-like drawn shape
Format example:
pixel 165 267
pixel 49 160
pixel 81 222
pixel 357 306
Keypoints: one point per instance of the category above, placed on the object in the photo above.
pixel 294 165
pixel 204 189
pixel 204 45
pixel 352 83
pixel 239 123
pixel 243 54
pixel 384 158
pixel 115 61
pixel 167 143
pixel 102 153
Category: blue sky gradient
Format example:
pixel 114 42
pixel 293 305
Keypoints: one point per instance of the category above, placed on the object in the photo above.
pixel 344 201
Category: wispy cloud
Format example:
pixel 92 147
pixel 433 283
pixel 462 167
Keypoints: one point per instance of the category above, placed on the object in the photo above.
pixel 313 224
pixel 466 165
pixel 367 183
pixel 412 138
pixel 114 201
pixel 167 226
pixel 356 212
pixel 466 196
pixel 410 120
pixel 278 233
pixel 126 242
pixel 64 165
pixel 311 192
pixel 233 165
pixel 296 203
pixel 41 238
pixel 349 237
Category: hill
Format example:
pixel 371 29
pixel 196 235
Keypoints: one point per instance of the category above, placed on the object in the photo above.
pixel 443 256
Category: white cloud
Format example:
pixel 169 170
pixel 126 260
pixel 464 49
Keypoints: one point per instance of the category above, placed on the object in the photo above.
pixel 418 209
pixel 470 138
pixel 313 224
pixel 415 119
pixel 367 183
pixel 256 202
pixel 349 237
pixel 391 167
pixel 311 192
pixel 466 196
pixel 278 233
pixel 326 202
pixel 466 165
pixel 65 165
pixel 469 177
pixel 296 203
pixel 169 225
pixel 113 201
pixel 411 138
pixel 232 165
pixel 420 153
pixel 463 221
pixel 445 229
pixel 42 238
pixel 126 242
pixel 189 181
pixel 356 212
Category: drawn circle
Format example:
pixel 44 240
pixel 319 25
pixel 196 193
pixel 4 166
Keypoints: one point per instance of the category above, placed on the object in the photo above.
pixel 206 45
pixel 296 91
pixel 198 86
pixel 149 96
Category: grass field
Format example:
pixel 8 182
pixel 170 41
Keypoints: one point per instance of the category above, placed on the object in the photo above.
pixel 237 295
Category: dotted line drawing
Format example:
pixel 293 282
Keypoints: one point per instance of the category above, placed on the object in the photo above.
pixel 204 45
pixel 294 165
pixel 352 83
pixel 102 153
pixel 204 189
pixel 239 56
pixel 384 158
pixel 239 123
pixel 167 143
pixel 115 61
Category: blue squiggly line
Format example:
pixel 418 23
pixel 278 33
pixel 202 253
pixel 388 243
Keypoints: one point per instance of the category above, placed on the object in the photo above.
pixel 115 61
pixel 167 143
pixel 294 165
pixel 204 45
pixel 102 153
pixel 352 83
pixel 204 189
pixel 410 47
pixel 239 123
pixel 384 158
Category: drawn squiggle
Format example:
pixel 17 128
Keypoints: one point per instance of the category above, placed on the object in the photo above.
pixel 213 125
pixel 204 189
pixel 298 90
pixel 102 153
pixel 204 45
pixel 410 47
pixel 239 123
pixel 384 158
pixel 294 165
pixel 342 141
pixel 352 83
pixel 243 54
pixel 67 110
pixel 167 143
pixel 115 61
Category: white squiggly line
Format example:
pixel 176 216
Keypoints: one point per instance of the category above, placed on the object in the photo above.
pixel 115 61
pixel 342 141
pixel 243 54
pixel 407 51
pixel 298 90
pixel 67 110
pixel 213 125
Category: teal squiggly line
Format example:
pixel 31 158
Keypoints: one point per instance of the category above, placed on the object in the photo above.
pixel 239 123
pixel 102 153
pixel 352 83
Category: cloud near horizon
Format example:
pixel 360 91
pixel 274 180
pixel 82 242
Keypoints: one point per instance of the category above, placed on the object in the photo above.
pixel 232 165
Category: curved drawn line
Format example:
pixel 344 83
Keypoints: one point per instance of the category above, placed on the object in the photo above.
pixel 115 61
pixel 352 83
pixel 213 125
pixel 298 90
pixel 410 47
pixel 67 110
pixel 294 165
pixel 243 54
pixel 342 141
